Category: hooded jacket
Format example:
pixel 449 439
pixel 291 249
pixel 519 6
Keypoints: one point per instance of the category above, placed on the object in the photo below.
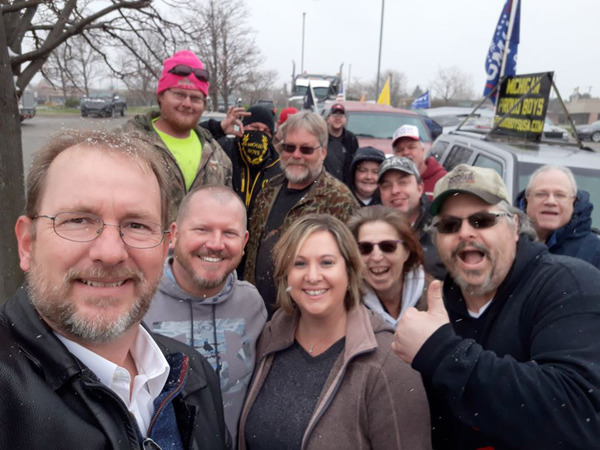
pixel 223 328
pixel 365 154
pixel 433 172
pixel 214 167
pixel 370 400
pixel 50 399
pixel 526 373
pixel 249 180
pixel 576 238
pixel 414 294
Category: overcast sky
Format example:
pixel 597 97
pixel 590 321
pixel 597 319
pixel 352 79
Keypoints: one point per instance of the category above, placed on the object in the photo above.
pixel 419 36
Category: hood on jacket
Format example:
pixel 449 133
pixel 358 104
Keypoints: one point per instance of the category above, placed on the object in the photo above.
pixel 581 219
pixel 364 154
pixel 170 287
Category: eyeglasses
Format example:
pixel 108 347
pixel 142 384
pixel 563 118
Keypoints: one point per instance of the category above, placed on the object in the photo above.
pixel 181 96
pixel 84 227
pixel 558 196
pixel 183 71
pixel 390 246
pixel 304 149
pixel 479 221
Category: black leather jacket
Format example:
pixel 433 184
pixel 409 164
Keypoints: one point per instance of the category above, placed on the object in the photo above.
pixel 50 400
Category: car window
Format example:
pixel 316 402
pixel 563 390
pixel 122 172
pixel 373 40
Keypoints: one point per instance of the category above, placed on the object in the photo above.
pixel 438 149
pixel 487 162
pixel 587 180
pixel 458 155
pixel 382 125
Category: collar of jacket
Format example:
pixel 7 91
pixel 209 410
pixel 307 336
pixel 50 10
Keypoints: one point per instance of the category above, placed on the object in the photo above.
pixel 49 355
pixel 361 327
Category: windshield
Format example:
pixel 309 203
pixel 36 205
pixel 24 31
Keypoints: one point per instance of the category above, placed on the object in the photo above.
pixel 382 125
pixel 300 90
pixel 587 180
pixel 321 92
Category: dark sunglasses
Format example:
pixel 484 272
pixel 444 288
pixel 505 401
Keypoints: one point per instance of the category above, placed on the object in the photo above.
pixel 183 71
pixel 366 248
pixel 479 221
pixel 304 149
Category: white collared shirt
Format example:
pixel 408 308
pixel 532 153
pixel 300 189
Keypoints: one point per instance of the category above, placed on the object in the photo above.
pixel 153 371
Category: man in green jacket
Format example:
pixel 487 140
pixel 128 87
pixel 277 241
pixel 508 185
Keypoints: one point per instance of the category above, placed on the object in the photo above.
pixel 193 157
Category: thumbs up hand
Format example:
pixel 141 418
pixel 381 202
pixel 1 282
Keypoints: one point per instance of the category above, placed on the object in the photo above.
pixel 415 327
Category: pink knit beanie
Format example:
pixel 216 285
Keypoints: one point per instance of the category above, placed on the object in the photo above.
pixel 169 80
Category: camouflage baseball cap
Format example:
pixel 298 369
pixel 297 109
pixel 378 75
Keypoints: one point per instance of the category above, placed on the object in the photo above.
pixel 464 179
pixel 400 163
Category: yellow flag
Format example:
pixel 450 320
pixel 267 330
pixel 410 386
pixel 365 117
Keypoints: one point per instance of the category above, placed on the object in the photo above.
pixel 384 97
pixel 363 98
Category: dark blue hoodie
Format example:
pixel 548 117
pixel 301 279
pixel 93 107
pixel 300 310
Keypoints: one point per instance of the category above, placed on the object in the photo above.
pixel 576 238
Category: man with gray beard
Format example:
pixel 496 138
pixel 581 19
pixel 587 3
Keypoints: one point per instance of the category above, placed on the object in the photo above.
pixel 508 349
pixel 201 302
pixel 304 187
pixel 77 369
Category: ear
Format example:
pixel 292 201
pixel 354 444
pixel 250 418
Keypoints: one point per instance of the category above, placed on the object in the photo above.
pixel 420 188
pixel 516 222
pixel 246 236
pixel 323 152
pixel 173 234
pixel 25 239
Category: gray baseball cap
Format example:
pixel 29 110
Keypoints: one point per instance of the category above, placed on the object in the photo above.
pixel 400 163
pixel 464 179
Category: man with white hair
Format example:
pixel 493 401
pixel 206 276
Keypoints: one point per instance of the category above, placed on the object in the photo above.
pixel 561 214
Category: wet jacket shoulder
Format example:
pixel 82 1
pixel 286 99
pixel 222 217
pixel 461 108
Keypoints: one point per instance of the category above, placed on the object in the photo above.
pixel 535 347
pixel 48 394
pixel 371 399
pixel 326 195
pixel 215 166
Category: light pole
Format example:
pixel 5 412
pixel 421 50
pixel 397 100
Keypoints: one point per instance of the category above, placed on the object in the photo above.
pixel 302 60
pixel 379 59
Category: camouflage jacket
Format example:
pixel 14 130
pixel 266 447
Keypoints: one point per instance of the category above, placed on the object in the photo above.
pixel 215 166
pixel 327 195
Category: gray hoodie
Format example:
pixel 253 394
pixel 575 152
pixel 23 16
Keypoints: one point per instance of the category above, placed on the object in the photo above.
pixel 223 328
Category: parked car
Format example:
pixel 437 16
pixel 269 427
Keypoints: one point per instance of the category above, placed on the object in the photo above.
pixel 27 105
pixel 268 104
pixel 450 117
pixel 374 124
pixel 591 131
pixel 103 104
pixel 515 160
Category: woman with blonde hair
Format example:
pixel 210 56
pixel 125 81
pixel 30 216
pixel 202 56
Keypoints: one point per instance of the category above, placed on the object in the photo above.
pixel 326 376
pixel 392 262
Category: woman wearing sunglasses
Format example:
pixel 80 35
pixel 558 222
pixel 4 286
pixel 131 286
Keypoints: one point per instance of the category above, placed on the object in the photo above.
pixel 393 262
pixel 326 377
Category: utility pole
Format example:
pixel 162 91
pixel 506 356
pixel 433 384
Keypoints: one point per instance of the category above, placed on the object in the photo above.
pixel 302 60
pixel 379 59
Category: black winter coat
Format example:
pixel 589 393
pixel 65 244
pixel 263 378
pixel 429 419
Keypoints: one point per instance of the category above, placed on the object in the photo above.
pixel 526 373
pixel 50 400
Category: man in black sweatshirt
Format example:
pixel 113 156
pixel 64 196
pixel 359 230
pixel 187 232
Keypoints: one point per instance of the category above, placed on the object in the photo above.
pixel 510 357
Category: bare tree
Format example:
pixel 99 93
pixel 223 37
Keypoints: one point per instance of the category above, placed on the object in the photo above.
pixel 259 85
pixel 58 70
pixel 30 30
pixel 398 84
pixel 225 45
pixel 451 83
